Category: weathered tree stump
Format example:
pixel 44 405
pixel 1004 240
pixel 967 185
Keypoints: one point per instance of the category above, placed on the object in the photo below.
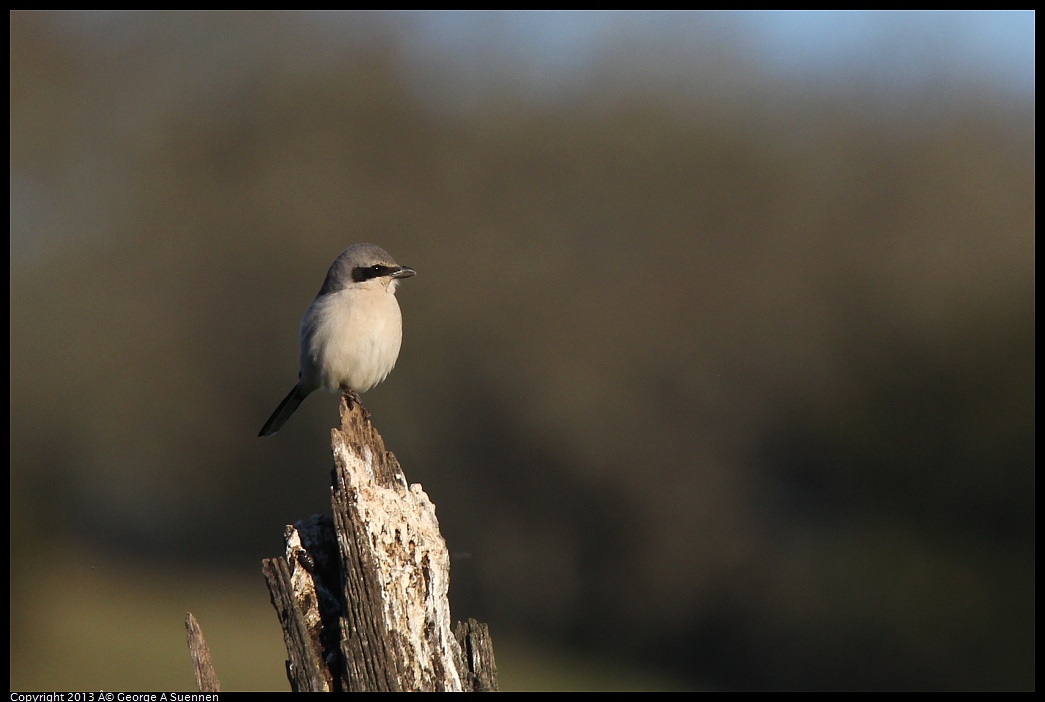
pixel 362 597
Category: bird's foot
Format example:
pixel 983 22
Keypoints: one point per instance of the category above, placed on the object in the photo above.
pixel 352 398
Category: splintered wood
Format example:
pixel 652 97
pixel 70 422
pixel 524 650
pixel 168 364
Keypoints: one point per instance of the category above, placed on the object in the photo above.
pixel 363 598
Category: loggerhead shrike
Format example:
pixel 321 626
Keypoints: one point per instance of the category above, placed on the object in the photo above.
pixel 352 331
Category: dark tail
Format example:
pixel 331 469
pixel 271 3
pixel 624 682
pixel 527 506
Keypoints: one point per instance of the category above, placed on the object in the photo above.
pixel 286 408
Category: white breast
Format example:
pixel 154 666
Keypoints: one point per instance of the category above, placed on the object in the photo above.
pixel 350 339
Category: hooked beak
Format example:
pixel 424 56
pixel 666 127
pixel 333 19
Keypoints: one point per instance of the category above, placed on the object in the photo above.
pixel 404 272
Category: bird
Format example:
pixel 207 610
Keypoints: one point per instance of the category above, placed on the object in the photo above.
pixel 351 333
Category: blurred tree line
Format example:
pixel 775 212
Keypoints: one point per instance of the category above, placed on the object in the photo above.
pixel 738 383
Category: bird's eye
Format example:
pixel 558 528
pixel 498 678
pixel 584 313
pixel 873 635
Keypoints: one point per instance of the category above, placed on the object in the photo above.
pixel 376 268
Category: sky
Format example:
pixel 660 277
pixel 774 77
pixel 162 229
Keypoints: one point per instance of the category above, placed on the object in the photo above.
pixel 1000 43
pixel 996 45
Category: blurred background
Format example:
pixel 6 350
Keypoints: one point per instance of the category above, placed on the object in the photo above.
pixel 718 366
